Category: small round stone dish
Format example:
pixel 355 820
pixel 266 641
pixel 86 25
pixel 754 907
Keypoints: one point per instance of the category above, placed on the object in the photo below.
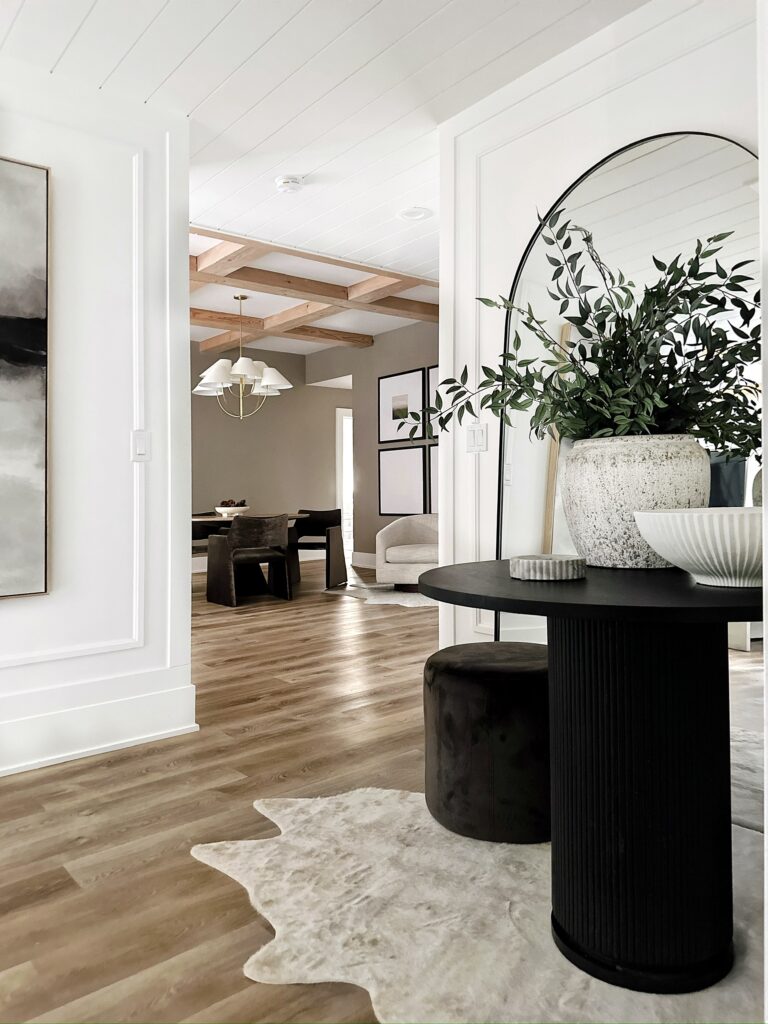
pixel 719 547
pixel 547 568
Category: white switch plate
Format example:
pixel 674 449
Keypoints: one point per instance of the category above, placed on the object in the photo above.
pixel 141 446
pixel 477 437
pixel 507 473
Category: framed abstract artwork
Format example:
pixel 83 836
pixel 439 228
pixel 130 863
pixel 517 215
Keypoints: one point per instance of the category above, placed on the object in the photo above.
pixel 23 377
pixel 402 481
pixel 399 395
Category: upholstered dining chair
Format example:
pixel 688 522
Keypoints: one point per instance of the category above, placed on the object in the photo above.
pixel 235 559
pixel 321 530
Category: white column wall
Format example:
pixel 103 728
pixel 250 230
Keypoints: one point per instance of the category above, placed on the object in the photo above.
pixel 670 66
pixel 103 660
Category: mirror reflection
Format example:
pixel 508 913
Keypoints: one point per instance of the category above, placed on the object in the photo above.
pixel 654 199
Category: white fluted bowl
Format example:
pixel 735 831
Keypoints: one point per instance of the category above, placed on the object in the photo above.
pixel 720 547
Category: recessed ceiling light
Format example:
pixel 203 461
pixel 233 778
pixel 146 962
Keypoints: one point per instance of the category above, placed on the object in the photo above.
pixel 289 182
pixel 414 213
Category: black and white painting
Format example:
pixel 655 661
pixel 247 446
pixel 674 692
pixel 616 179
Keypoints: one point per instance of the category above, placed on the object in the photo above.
pixel 23 375
pixel 400 394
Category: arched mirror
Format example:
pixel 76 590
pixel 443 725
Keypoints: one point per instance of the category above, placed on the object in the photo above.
pixel 654 198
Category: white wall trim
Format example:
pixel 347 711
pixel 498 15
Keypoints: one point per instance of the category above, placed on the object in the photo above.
pixel 103 660
pixel 363 560
pixel 67 732
pixel 136 637
pixel 104 748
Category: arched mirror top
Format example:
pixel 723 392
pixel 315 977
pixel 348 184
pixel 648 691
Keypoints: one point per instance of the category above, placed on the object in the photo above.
pixel 653 198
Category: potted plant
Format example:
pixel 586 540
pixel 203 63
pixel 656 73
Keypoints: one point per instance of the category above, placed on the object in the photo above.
pixel 650 378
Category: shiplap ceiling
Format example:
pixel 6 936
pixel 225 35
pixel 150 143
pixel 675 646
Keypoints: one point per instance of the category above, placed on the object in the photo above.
pixel 346 93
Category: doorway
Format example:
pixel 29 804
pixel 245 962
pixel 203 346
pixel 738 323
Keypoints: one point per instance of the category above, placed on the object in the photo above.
pixel 345 475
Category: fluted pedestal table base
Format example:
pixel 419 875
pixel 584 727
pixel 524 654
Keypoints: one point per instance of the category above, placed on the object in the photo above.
pixel 641 833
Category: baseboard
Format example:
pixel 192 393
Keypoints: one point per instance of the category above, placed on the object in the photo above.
pixel 67 733
pixel 93 751
pixel 363 560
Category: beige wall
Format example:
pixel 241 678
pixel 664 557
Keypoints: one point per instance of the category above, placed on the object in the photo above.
pixel 401 350
pixel 281 459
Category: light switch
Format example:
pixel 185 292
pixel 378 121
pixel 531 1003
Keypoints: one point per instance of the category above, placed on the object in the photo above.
pixel 140 446
pixel 507 473
pixel 477 437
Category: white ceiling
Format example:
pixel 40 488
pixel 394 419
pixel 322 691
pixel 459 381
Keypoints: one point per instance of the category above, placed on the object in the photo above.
pixel 347 93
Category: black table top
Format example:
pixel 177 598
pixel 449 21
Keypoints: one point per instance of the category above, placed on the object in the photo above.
pixel 627 594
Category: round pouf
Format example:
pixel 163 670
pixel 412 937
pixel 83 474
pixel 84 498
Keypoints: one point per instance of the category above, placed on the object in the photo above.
pixel 486 722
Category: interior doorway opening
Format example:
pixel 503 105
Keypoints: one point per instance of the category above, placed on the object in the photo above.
pixel 345 475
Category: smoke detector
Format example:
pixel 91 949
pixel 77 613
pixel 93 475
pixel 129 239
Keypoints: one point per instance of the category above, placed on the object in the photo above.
pixel 289 182
pixel 414 213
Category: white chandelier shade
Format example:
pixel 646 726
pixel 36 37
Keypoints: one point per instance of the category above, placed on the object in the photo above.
pixel 247 378
pixel 272 378
pixel 248 368
pixel 219 373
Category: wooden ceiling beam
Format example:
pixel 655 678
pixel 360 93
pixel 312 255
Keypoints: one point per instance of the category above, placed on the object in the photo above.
pixel 225 257
pixel 297 316
pixel 304 254
pixel 275 325
pixel 215 318
pixel 326 336
pixel 378 287
pixel 258 280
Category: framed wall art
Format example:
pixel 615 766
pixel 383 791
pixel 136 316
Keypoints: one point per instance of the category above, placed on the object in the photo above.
pixel 23 377
pixel 402 481
pixel 399 395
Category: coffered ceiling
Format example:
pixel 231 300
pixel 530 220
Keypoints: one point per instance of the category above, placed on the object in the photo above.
pixel 346 94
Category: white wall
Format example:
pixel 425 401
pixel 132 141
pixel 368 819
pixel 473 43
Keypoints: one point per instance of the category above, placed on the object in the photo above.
pixel 102 661
pixel 672 65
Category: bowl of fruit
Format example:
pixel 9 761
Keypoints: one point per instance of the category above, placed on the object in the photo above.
pixel 229 507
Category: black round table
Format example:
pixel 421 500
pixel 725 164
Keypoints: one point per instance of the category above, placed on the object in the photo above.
pixel 640 764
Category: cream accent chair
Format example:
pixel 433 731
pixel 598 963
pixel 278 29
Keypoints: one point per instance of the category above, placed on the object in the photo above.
pixel 405 549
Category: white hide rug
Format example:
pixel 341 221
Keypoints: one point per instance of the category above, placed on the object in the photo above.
pixel 384 593
pixel 366 888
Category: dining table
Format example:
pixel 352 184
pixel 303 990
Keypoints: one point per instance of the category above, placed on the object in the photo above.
pixel 640 763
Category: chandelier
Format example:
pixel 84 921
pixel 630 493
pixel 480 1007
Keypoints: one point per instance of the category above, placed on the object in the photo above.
pixel 241 390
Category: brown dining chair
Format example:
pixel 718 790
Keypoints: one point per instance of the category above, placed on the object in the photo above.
pixel 235 559
pixel 320 531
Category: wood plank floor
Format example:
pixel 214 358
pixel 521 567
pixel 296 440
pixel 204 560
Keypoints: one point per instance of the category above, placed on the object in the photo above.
pixel 104 916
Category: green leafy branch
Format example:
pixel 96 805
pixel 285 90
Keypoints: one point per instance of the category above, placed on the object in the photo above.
pixel 672 359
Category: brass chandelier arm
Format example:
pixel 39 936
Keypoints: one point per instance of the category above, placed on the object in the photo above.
pixel 241 415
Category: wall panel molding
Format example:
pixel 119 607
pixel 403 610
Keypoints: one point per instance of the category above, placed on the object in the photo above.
pixel 515 151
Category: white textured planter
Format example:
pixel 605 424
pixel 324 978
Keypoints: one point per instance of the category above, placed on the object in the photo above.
pixel 719 547
pixel 606 480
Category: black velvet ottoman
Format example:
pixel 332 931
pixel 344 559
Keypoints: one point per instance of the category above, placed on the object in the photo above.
pixel 486 721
